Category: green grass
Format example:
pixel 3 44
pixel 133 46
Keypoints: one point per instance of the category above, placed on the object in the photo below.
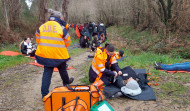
pixel 137 40
pixel 74 41
pixel 145 60
pixel 168 83
pixel 140 61
pixel 9 47
pixel 11 61
pixel 73 36
pixel 173 88
pixel 76 51
pixel 85 70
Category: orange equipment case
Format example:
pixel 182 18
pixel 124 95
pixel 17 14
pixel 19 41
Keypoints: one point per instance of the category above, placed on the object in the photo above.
pixel 60 96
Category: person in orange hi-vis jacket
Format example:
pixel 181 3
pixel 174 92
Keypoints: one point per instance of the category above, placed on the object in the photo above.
pixel 104 65
pixel 53 39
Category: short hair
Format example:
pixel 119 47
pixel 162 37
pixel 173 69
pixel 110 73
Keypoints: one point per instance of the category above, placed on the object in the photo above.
pixel 110 48
pixel 106 44
pixel 25 39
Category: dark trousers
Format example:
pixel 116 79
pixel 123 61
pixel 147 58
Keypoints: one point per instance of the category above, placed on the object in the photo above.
pixel 32 54
pixel 46 79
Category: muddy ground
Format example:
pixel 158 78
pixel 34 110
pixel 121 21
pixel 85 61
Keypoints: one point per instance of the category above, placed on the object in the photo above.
pixel 20 90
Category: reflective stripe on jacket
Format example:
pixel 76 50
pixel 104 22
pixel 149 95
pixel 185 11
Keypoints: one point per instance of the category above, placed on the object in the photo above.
pixel 52 39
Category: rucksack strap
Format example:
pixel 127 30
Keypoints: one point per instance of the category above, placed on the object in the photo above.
pixel 77 98
pixel 63 102
pixel 99 92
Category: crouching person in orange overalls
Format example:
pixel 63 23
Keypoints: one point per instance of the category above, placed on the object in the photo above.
pixel 104 65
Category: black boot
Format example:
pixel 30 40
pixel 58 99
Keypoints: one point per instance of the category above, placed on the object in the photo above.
pixel 71 80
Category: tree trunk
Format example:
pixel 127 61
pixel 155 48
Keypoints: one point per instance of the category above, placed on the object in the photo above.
pixel 14 12
pixel 164 8
pixel 43 11
pixel 5 15
pixel 149 13
pixel 56 4
pixel 65 10
pixel 169 7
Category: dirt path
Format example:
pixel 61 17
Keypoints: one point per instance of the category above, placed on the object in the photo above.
pixel 20 90
pixel 20 86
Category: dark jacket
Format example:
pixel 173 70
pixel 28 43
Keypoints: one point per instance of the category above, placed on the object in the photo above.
pixel 90 28
pixel 24 48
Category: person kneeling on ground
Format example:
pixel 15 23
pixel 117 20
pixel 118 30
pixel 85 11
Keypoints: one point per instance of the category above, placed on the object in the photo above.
pixel 27 49
pixel 95 44
pixel 103 65
pixel 84 42
pixel 173 67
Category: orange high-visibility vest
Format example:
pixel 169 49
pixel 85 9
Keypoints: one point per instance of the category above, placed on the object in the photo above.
pixel 51 43
pixel 99 61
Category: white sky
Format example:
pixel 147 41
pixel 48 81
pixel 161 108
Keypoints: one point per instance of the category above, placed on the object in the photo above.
pixel 29 3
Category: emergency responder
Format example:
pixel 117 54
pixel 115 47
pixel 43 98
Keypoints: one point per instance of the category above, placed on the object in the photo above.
pixel 53 40
pixel 104 65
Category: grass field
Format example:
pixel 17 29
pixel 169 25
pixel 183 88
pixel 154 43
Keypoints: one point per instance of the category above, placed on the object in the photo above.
pixel 11 61
pixel 169 86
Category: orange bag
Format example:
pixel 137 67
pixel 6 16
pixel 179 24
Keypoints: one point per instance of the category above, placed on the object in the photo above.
pixel 99 84
pixel 66 98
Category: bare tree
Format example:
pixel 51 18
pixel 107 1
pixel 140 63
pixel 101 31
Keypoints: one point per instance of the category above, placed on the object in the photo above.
pixel 56 5
pixel 65 9
pixel 5 14
pixel 14 12
pixel 167 10
pixel 43 11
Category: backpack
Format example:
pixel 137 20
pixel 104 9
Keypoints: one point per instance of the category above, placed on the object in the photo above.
pixel 101 28
pixel 72 98
pixel 91 27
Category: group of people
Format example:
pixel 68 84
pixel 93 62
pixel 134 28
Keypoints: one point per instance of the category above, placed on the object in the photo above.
pixel 53 39
pixel 92 34
pixel 27 47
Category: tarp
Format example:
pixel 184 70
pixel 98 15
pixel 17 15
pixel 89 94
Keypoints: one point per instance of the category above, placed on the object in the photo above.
pixel 147 92
pixel 122 58
pixel 9 53
pixel 128 72
pixel 55 69
pixel 176 71
pixel 77 32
